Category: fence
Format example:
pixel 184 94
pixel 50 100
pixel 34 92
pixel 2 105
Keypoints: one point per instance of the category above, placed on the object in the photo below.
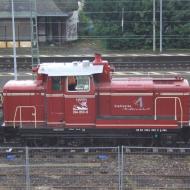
pixel 59 168
pixel 155 168
pixel 109 168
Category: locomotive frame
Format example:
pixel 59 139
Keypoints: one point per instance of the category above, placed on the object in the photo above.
pixel 80 102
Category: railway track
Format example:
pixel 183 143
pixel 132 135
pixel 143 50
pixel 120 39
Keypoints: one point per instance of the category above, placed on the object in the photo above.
pixel 159 150
pixel 156 62
pixel 119 66
pixel 152 66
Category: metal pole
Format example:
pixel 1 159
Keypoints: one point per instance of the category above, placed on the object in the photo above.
pixel 122 20
pixel 27 169
pixel 154 26
pixel 122 167
pixel 160 26
pixel 119 167
pixel 14 42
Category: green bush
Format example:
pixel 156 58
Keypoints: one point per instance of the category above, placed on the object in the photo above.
pixel 102 20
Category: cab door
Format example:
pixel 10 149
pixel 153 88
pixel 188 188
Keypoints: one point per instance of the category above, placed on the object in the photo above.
pixel 80 105
pixel 54 102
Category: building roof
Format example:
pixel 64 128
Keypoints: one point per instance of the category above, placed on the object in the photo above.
pixel 23 8
pixel 70 69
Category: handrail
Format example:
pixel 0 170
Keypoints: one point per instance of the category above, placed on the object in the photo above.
pixel 176 99
pixel 20 109
pixel 1 99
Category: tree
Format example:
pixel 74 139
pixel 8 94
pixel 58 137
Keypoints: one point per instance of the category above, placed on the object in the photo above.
pixel 106 18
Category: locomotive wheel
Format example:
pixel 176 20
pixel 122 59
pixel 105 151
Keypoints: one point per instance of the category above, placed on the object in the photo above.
pixel 75 142
pixel 46 141
pixel 53 141
pixel 168 140
pixel 185 134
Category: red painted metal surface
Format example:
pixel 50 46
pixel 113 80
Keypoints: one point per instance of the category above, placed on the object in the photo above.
pixel 127 103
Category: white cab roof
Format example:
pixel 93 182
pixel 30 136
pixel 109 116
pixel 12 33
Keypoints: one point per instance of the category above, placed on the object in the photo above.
pixel 70 69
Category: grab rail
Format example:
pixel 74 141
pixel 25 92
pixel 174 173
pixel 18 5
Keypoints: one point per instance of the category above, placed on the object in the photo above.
pixel 1 99
pixel 20 109
pixel 176 99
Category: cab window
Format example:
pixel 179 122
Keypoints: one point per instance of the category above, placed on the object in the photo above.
pixel 56 83
pixel 78 83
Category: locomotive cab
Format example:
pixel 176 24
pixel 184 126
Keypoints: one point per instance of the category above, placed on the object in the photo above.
pixel 71 92
pixel 62 95
pixel 80 100
pixel 71 101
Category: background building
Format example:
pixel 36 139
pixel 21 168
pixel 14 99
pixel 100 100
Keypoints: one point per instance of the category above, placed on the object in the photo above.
pixel 57 21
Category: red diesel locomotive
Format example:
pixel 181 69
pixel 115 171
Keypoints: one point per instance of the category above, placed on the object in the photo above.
pixel 81 100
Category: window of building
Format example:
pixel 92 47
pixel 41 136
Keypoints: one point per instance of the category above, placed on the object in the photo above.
pixel 56 83
pixel 78 83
